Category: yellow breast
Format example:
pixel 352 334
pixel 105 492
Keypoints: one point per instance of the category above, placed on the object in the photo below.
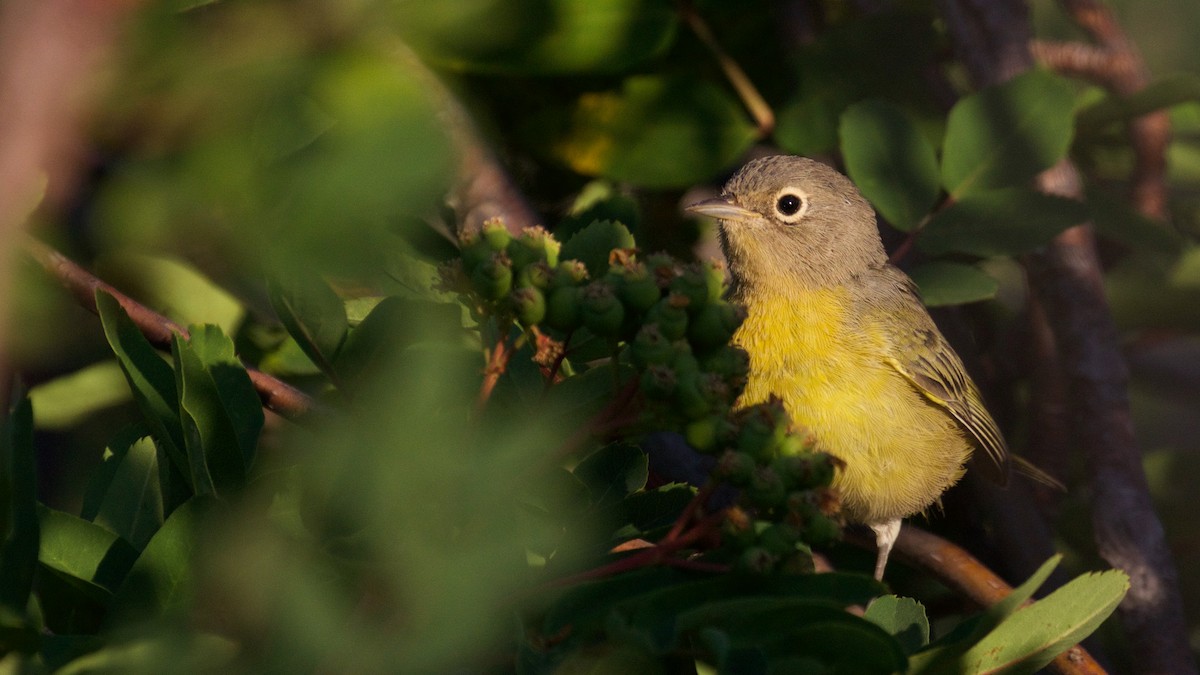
pixel 827 361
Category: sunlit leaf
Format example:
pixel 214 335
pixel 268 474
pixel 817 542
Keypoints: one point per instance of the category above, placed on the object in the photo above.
pixel 90 555
pixel 903 618
pixel 655 131
pixel 538 37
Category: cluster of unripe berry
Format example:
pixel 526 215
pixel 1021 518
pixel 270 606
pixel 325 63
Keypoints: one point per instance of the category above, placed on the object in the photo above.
pixel 670 322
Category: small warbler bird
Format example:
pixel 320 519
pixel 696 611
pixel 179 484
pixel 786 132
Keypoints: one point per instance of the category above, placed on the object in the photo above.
pixel 840 335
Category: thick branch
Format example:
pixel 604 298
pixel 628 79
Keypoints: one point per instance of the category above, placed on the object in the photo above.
pixel 276 395
pixel 1068 281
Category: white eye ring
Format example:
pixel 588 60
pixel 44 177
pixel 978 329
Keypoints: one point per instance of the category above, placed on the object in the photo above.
pixel 790 204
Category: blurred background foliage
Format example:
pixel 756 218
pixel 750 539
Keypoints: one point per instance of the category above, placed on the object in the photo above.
pixel 243 141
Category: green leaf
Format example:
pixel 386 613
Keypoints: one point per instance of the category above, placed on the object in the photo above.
pixel 94 559
pixel 1165 92
pixel 150 378
pixel 188 653
pixel 946 283
pixel 64 401
pixel 943 656
pixel 890 161
pixel 656 508
pixel 125 495
pixel 1006 221
pixel 902 618
pixel 19 528
pixel 538 37
pixel 592 244
pixel 239 399
pixel 1114 219
pixel 614 471
pixel 799 626
pixel 1004 135
pixel 1029 639
pixel 394 323
pixel 654 132
pixel 220 410
pixel 313 314
pixel 162 578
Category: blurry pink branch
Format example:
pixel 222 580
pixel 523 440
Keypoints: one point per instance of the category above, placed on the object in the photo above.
pixel 50 54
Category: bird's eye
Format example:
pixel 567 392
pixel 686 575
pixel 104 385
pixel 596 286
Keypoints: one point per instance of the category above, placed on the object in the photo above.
pixel 791 204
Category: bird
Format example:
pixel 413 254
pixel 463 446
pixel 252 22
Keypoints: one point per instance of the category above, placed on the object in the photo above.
pixel 841 336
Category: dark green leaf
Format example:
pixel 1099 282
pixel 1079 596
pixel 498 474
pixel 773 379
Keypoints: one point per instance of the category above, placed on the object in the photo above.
pixel 212 450
pixel 1007 221
pixel 539 37
pixel 162 579
pixel 1168 91
pixel 655 132
pixel 890 161
pixel 313 314
pixel 946 283
pixel 392 325
pixel 902 618
pixel 150 378
pixel 126 497
pixel 612 472
pixel 798 626
pixel 95 559
pixel 1114 219
pixel 592 244
pixel 658 507
pixel 1004 135
pixel 19 529
pixel 1032 636
pixel 239 399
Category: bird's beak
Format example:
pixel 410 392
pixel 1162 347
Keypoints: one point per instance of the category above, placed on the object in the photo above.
pixel 722 208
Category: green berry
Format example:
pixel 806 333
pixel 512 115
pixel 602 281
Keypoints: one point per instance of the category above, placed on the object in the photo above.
pixel 534 244
pixel 569 273
pixel 735 467
pixel 689 399
pixel 757 560
pixel 670 315
pixel 766 488
pixel 663 269
pixel 779 538
pixel 703 434
pixel 603 313
pixel 637 289
pixel 728 361
pixel 493 278
pixel 529 305
pixel 822 530
pixel 536 275
pixel 650 346
pixel 693 285
pixel 658 382
pixel 495 234
pixel 714 325
pixel 564 309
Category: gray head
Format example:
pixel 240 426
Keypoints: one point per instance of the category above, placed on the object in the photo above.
pixel 791 222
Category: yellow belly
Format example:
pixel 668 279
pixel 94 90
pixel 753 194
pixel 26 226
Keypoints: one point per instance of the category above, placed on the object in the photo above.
pixel 901 451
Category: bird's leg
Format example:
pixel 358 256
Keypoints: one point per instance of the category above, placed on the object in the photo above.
pixel 885 536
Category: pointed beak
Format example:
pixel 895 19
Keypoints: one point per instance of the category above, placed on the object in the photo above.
pixel 722 208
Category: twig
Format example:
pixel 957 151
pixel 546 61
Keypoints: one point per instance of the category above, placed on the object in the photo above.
pixel 1150 134
pixel 756 105
pixel 497 362
pixel 276 395
pixel 658 554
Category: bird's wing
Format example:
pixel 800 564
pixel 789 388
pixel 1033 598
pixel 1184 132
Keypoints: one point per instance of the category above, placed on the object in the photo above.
pixel 920 353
